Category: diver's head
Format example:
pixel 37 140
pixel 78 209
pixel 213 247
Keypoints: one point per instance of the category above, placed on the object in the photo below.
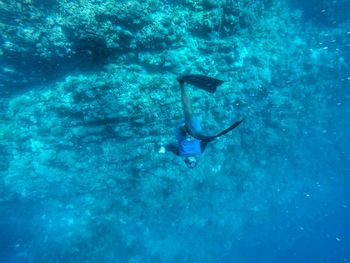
pixel 191 161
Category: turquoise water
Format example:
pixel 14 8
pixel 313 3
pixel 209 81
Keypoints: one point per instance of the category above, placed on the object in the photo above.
pixel 89 103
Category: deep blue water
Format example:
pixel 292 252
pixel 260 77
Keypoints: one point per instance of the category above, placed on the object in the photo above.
pixel 293 206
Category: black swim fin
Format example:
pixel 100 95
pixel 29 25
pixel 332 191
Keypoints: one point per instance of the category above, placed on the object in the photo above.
pixel 229 129
pixel 207 138
pixel 200 81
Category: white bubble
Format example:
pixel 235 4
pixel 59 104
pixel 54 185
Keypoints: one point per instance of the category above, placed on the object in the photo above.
pixel 162 149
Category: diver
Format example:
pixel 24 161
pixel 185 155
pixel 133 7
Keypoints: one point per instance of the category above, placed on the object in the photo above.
pixel 191 140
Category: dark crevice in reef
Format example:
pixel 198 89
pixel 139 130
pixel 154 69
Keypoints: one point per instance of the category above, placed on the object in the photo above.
pixel 36 71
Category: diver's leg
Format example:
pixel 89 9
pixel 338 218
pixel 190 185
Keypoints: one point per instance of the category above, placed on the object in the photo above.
pixel 186 104
pixel 188 112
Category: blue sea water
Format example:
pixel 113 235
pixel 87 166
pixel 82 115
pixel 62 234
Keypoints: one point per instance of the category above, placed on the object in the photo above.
pixel 279 193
